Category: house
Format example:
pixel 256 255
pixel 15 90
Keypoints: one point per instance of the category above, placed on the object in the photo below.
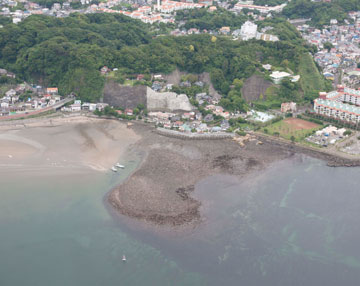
pixel 10 93
pixel 157 86
pixel 101 106
pixel 88 106
pixel 212 8
pixel 177 124
pixel 158 77
pixel 267 67
pixel 140 77
pixel 288 107
pixel 129 112
pixel 224 30
pixel 52 90
pixel 4 104
pixel 75 107
pixel 188 115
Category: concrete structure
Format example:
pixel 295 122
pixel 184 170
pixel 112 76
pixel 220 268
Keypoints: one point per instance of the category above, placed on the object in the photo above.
pixel 277 76
pixel 337 110
pixel 248 31
pixel 334 104
pixel 169 101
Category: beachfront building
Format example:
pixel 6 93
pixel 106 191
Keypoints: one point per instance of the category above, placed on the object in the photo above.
pixel 335 104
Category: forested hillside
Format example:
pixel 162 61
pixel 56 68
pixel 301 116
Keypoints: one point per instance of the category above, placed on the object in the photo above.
pixel 320 12
pixel 202 19
pixel 69 52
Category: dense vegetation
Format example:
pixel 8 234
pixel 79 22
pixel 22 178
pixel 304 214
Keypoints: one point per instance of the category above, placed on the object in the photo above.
pixel 202 19
pixel 269 2
pixel 320 12
pixel 69 52
pixel 48 3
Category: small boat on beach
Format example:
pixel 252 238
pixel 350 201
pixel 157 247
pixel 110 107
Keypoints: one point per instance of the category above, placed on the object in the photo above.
pixel 113 169
pixel 124 258
pixel 120 166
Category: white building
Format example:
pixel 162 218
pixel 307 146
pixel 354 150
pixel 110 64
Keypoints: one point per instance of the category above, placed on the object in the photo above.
pixel 248 31
pixel 278 76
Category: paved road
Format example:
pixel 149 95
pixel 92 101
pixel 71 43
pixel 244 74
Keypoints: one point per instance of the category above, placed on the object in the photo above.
pixel 32 113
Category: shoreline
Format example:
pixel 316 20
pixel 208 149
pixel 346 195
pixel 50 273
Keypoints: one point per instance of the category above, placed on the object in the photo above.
pixel 159 190
pixel 333 159
pixel 65 142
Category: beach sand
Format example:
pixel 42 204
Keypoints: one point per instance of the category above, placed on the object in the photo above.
pixel 77 142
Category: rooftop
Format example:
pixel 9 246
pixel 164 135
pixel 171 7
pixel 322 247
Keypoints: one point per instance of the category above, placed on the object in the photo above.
pixel 339 105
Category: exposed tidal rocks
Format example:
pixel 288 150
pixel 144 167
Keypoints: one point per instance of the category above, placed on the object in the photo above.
pixel 160 190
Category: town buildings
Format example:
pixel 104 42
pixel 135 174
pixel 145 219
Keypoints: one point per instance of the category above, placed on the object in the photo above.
pixel 342 104
pixel 338 48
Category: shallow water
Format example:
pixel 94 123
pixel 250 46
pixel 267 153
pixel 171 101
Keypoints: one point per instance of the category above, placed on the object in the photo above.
pixel 55 230
pixel 293 224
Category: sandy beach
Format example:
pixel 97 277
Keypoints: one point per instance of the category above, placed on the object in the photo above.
pixel 76 142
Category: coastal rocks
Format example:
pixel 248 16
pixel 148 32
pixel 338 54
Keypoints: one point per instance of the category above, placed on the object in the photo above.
pixel 160 190
pixel 332 158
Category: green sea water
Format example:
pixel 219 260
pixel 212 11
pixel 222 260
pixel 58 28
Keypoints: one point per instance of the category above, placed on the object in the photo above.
pixel 55 230
pixel 295 223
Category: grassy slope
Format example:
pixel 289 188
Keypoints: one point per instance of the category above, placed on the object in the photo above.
pixel 311 79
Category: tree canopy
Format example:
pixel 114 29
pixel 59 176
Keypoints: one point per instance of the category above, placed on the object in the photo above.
pixel 320 12
pixel 69 52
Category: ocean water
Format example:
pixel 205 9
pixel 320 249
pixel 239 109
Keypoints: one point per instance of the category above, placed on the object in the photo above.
pixel 295 223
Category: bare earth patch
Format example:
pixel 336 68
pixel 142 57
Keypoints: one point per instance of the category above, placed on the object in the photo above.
pixel 299 124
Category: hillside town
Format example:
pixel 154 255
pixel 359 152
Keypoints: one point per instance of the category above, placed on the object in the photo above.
pixel 338 49
pixel 337 54
pixel 163 11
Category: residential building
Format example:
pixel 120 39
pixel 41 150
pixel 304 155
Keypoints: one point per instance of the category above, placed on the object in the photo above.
pixel 336 104
pixel 288 107
pixel 248 31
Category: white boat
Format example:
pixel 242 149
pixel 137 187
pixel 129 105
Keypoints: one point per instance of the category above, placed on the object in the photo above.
pixel 120 166
pixel 113 169
pixel 124 258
